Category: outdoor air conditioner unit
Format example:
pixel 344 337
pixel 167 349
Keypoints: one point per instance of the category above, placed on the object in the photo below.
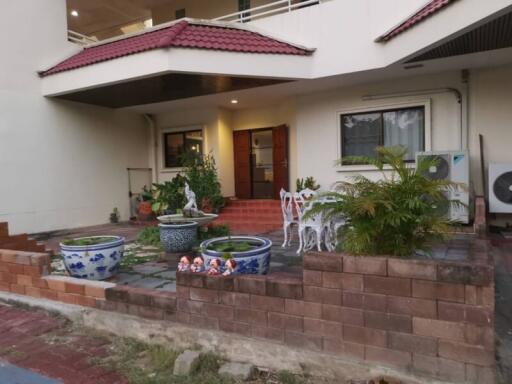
pixel 500 187
pixel 453 166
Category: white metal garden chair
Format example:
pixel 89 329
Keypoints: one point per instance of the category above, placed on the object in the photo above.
pixel 333 226
pixel 288 219
pixel 311 229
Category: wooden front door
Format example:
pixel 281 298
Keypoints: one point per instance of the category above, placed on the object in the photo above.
pixel 280 159
pixel 242 147
pixel 256 176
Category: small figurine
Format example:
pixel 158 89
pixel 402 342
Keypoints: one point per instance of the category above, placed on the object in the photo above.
pixel 230 267
pixel 198 265
pixel 214 267
pixel 184 264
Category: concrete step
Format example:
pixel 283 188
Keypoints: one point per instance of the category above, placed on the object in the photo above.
pixel 253 203
pixel 244 228
pixel 252 217
pixel 252 210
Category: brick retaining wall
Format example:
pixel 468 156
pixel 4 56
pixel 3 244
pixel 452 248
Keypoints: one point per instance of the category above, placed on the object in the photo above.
pixel 430 318
pixel 27 273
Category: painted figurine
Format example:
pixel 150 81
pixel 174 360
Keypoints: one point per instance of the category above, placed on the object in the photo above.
pixel 198 265
pixel 230 267
pixel 214 267
pixel 184 264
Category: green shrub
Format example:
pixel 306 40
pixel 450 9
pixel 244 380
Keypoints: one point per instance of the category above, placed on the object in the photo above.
pixel 149 236
pixel 307 183
pixel 169 196
pixel 395 215
pixel 202 177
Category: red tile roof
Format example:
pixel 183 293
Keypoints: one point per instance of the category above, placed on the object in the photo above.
pixel 428 10
pixel 183 34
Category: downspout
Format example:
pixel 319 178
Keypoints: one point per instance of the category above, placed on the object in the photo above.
pixel 153 137
pixel 465 77
pixel 425 92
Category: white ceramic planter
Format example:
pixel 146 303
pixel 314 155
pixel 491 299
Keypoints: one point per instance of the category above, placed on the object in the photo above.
pixel 93 262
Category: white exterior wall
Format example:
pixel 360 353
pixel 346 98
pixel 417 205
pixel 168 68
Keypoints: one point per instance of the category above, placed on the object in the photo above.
pixel 344 31
pixel 62 164
pixel 490 115
pixel 318 130
pixel 218 140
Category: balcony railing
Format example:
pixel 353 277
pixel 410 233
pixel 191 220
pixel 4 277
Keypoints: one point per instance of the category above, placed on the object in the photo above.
pixel 78 38
pixel 269 9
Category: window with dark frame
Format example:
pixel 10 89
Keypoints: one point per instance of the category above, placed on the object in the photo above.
pixel 179 145
pixel 244 5
pixel 180 14
pixel 362 132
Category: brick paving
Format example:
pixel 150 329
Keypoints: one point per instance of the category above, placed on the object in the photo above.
pixel 46 345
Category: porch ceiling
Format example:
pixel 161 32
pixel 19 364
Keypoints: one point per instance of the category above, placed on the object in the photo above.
pixel 167 87
pixel 494 34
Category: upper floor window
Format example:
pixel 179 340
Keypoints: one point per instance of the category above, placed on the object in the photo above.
pixel 180 14
pixel 244 5
pixel 362 132
pixel 179 145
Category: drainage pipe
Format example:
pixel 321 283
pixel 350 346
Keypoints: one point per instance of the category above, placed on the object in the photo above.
pixel 153 137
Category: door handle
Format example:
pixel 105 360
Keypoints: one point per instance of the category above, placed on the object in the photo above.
pixel 284 163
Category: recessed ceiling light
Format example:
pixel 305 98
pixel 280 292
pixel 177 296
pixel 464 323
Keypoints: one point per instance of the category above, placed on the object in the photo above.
pixel 234 101
pixel 74 13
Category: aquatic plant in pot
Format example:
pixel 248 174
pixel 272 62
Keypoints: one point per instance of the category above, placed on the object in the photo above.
pixel 399 214
pixel 94 257
pixel 251 253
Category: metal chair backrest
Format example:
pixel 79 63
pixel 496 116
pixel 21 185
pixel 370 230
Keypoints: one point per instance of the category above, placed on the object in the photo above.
pixel 286 205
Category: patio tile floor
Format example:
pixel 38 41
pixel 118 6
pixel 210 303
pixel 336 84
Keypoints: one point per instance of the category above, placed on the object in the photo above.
pixel 161 274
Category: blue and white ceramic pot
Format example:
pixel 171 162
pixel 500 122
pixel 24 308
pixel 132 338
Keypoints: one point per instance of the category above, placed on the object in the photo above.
pixel 93 262
pixel 255 261
pixel 179 236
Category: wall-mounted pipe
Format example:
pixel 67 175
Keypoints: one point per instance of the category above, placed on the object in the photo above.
pixel 154 145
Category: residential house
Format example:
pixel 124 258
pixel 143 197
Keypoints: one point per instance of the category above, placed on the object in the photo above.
pixel 273 89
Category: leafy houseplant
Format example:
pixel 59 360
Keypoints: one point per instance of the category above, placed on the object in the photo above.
pixel 114 216
pixel 307 183
pixel 169 196
pixel 202 177
pixel 396 215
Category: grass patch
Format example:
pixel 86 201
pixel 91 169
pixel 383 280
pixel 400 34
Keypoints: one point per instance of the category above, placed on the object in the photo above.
pixel 154 364
pixel 130 260
pixel 149 236
pixel 286 377
pixel 215 231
